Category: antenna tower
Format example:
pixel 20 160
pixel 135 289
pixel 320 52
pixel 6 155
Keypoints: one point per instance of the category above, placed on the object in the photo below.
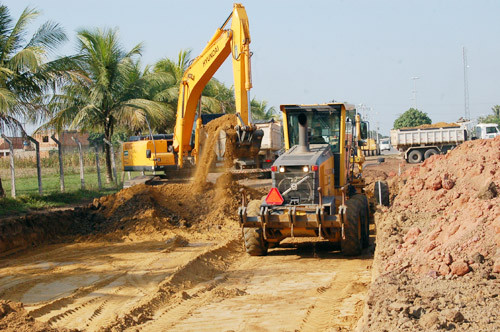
pixel 466 85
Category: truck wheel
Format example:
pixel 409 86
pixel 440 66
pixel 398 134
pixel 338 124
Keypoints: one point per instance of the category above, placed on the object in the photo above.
pixel 429 153
pixel 384 193
pixel 255 244
pixel 351 245
pixel 415 157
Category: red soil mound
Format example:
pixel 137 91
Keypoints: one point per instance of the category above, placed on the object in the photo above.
pixel 450 209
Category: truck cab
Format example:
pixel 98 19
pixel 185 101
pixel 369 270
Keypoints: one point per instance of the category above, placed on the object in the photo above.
pixel 487 130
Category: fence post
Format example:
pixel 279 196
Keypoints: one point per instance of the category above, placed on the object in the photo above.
pixel 123 169
pixel 82 179
pixel 113 165
pixel 12 168
pixel 38 163
pixel 61 167
pixel 99 183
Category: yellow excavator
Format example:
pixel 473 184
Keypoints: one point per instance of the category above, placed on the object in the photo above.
pixel 182 149
pixel 317 184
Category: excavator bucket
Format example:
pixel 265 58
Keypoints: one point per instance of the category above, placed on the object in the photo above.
pixel 240 144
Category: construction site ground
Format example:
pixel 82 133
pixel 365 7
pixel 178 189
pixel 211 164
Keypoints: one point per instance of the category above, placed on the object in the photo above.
pixel 170 257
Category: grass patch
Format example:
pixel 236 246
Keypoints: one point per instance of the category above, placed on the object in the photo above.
pixel 24 203
pixel 28 198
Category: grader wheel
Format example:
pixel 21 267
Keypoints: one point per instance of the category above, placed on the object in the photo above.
pixel 355 228
pixel 364 214
pixel 255 244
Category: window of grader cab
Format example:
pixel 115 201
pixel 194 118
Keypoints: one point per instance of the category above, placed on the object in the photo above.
pixel 323 126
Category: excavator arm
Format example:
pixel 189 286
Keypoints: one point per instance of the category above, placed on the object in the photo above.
pixel 234 41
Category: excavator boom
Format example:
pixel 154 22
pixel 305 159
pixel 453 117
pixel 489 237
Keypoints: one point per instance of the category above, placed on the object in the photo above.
pixel 234 41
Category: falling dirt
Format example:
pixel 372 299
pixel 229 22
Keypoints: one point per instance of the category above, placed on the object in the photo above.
pixel 211 132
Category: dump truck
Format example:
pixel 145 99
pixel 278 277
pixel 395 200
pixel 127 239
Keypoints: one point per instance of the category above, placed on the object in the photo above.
pixel 272 142
pixel 418 144
pixel 317 184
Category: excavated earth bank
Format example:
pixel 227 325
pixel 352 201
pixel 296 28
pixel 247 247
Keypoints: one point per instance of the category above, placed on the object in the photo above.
pixel 437 260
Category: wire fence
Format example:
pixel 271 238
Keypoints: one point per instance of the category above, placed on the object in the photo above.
pixel 60 171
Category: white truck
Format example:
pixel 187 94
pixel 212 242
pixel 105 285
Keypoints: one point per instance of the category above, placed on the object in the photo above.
pixel 272 142
pixel 487 130
pixel 416 145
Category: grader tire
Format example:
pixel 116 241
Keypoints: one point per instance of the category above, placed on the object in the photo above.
pixel 364 213
pixel 255 245
pixel 351 245
pixel 384 192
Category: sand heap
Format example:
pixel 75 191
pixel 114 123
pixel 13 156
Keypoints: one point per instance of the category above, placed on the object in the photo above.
pixel 155 211
pixel 199 205
pixel 14 318
pixel 449 211
pixel 434 125
pixel 436 261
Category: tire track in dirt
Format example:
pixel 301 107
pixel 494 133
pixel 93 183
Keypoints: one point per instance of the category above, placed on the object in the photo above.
pixel 294 288
pixel 203 268
pixel 66 301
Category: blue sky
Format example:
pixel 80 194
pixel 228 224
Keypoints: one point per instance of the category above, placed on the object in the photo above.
pixel 362 52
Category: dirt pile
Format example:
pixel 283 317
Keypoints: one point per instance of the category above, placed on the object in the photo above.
pixel 137 213
pixel 434 125
pixel 437 258
pixel 31 230
pixel 13 318
pixel 158 211
pixel 450 209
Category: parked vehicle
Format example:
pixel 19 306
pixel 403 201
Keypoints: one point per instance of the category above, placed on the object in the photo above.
pixel 487 130
pixel 385 144
pixel 419 144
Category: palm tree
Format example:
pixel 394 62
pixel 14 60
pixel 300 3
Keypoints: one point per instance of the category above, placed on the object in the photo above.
pixel 112 92
pixel 496 111
pixel 25 73
pixel 260 111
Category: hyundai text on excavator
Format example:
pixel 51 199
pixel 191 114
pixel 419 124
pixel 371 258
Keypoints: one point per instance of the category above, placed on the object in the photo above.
pixel 182 149
pixel 317 185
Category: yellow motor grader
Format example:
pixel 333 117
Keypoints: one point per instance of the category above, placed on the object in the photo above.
pixel 317 185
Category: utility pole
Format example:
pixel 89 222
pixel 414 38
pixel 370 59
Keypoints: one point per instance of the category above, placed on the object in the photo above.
pixel 466 85
pixel 415 78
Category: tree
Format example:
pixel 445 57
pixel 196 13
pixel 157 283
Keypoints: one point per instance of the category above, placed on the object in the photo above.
pixel 112 92
pixel 260 111
pixel 25 73
pixel 492 118
pixel 412 118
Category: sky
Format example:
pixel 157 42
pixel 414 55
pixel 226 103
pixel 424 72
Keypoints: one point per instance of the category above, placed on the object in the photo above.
pixel 362 52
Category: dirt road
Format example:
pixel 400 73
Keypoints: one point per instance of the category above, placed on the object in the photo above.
pixel 177 286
